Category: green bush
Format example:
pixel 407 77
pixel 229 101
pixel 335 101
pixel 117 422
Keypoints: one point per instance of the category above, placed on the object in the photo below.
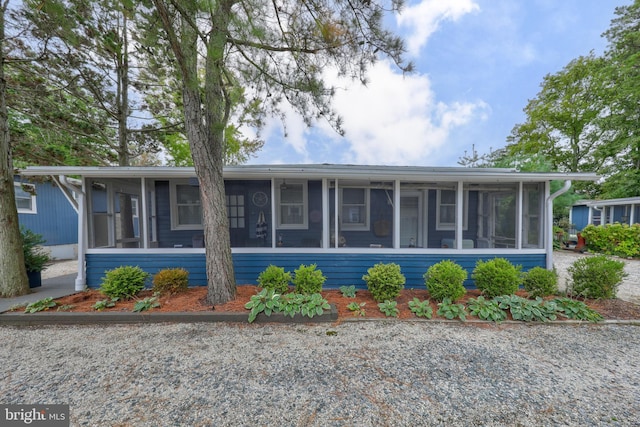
pixel 171 281
pixel 275 278
pixel 308 279
pixel 613 239
pixel 595 277
pixel 35 257
pixel 540 282
pixel 445 280
pixel 124 282
pixel 496 277
pixel 384 281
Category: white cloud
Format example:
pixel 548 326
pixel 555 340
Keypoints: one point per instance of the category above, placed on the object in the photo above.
pixel 424 18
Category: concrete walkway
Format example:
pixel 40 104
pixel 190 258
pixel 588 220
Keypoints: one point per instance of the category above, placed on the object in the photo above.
pixel 55 287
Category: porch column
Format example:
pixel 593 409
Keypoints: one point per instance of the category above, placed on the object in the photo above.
pixel 81 278
pixel 519 216
pixel 325 213
pixel 632 215
pixel 143 213
pixel 273 213
pixel 396 214
pixel 459 215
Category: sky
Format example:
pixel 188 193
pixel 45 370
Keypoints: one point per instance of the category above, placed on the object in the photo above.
pixel 477 63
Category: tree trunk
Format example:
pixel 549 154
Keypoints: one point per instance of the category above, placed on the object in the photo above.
pixel 13 275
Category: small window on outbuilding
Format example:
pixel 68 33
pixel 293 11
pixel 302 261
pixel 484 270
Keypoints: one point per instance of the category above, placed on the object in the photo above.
pixel 25 198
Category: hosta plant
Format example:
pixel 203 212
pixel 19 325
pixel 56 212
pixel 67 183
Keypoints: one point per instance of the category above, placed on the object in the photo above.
pixel 348 291
pixel 389 308
pixel 40 305
pixel 577 310
pixel 486 309
pixel 358 309
pixel 421 308
pixel 450 310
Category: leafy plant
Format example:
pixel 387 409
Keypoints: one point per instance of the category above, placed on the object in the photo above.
pixel 578 310
pixel 445 280
pixel 540 282
pixel 36 258
pixel 313 305
pixel 275 278
pixel 348 291
pixel 146 304
pixel 40 305
pixel 596 277
pixel 289 304
pixel 613 239
pixel 526 309
pixel 384 281
pixel 450 310
pixel 124 282
pixel 308 279
pixel 486 309
pixel 389 308
pixel 267 300
pixel 66 307
pixel 421 308
pixel 171 281
pixel 105 303
pixel 496 277
pixel 358 309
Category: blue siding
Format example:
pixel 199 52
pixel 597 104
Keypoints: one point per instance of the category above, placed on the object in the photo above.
pixel 339 268
pixel 580 216
pixel 55 219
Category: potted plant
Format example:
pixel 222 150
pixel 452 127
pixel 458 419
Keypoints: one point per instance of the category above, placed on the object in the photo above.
pixel 36 258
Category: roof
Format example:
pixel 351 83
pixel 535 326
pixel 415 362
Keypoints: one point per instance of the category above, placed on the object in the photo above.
pixel 610 202
pixel 317 171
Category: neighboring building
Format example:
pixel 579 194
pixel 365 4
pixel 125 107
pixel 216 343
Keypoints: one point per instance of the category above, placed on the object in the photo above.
pixel 597 212
pixel 47 211
pixel 344 218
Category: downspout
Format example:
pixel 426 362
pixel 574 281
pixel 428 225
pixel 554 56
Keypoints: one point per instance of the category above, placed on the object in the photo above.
pixel 81 277
pixel 549 205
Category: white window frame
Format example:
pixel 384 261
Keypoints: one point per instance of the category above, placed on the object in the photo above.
pixel 358 226
pixel 305 204
pixel 34 209
pixel 173 200
pixel 465 211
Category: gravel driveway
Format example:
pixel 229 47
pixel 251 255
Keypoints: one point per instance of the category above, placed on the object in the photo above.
pixel 372 373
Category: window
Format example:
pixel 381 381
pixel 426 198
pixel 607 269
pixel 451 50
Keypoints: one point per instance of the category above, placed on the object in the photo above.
pixel 186 208
pixel 354 214
pixel 292 204
pixel 235 210
pixel 25 198
pixel 446 209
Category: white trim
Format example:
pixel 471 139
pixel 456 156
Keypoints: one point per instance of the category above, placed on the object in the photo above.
pixel 305 204
pixel 173 202
pixel 465 207
pixel 359 225
pixel 34 207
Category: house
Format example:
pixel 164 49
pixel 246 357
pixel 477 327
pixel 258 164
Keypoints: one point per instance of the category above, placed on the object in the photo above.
pixel 599 212
pixel 344 218
pixel 46 210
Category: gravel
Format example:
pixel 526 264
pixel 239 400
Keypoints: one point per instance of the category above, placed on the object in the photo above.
pixel 371 373
pixel 360 373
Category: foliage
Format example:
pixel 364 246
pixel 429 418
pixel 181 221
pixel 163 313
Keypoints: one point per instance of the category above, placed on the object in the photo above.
pixel 105 303
pixel 267 301
pixel 496 277
pixel 450 310
pixel 421 308
pixel 578 310
pixel 613 239
pixel 308 279
pixel 526 309
pixel 170 281
pixel 66 307
pixel 275 278
pixel 35 257
pixel 146 304
pixel 595 277
pixel 446 280
pixel 540 282
pixel 389 308
pixel 358 309
pixel 486 309
pixel 384 281
pixel 124 282
pixel 348 291
pixel 40 305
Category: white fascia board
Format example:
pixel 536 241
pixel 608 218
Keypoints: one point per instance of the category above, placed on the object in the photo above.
pixel 360 172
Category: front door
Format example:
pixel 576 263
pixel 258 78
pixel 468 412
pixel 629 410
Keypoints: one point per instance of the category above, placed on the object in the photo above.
pixel 410 219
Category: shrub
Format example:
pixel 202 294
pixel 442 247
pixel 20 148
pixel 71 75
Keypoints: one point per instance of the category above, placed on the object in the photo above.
pixel 540 282
pixel 36 258
pixel 613 239
pixel 275 278
pixel 496 277
pixel 596 277
pixel 124 282
pixel 384 281
pixel 308 279
pixel 445 280
pixel 171 281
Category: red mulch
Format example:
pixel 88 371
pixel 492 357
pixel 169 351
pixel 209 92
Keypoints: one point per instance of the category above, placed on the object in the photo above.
pixel 194 300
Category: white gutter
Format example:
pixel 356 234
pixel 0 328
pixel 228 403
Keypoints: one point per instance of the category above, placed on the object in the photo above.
pixel 81 280
pixel 549 205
